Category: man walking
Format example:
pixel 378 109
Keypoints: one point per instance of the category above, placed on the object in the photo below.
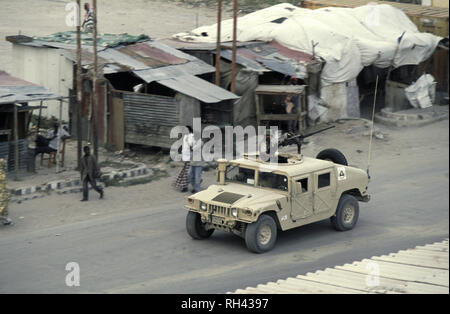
pixel 89 172
pixel 88 23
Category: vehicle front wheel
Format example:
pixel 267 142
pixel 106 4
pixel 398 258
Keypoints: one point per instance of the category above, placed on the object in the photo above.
pixel 195 228
pixel 347 213
pixel 261 235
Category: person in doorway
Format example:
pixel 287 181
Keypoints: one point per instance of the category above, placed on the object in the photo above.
pixel 88 23
pixel 89 173
pixel 291 108
pixel 4 196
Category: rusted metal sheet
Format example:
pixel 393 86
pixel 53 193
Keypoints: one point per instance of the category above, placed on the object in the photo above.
pixel 263 57
pixel 145 52
pixel 149 119
pixel 15 90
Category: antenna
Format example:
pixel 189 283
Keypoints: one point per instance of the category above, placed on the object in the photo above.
pixel 372 127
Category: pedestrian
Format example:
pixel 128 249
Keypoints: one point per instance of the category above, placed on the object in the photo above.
pixel 89 173
pixel 88 23
pixel 181 181
pixel 192 143
pixel 4 196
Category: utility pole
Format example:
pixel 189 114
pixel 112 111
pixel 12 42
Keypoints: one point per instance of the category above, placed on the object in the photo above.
pixel 79 87
pixel 94 83
pixel 233 62
pixel 219 22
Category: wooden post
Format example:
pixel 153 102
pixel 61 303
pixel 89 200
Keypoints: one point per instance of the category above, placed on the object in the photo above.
pixel 58 136
pixel 79 88
pixel 39 118
pixel 16 144
pixel 94 82
pixel 233 59
pixel 219 22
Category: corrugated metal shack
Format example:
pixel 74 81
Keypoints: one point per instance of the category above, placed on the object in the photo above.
pixel 258 63
pixel 148 88
pixel 15 116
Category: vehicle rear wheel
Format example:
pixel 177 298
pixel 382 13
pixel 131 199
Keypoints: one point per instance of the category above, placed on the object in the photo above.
pixel 347 213
pixel 333 155
pixel 261 235
pixel 195 228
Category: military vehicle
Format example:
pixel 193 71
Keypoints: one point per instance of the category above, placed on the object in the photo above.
pixel 255 199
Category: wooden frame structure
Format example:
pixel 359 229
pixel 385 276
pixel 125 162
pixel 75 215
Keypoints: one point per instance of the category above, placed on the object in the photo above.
pixel 282 90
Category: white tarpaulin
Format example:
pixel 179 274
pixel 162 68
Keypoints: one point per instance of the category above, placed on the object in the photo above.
pixel 421 94
pixel 348 39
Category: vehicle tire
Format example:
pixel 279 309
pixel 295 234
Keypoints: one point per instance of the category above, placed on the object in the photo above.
pixel 195 228
pixel 333 155
pixel 261 235
pixel 347 213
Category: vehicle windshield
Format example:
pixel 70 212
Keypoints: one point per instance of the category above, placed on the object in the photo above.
pixel 238 174
pixel 273 181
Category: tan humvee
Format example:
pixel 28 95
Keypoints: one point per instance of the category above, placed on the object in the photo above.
pixel 255 199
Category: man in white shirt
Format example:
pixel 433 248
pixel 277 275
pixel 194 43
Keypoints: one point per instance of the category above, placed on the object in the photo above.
pixel 50 144
pixel 190 146
pixel 55 136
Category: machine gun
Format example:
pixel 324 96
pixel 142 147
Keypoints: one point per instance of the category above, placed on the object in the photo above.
pixel 298 139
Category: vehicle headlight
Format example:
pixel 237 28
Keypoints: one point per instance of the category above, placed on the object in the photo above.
pixel 203 206
pixel 234 212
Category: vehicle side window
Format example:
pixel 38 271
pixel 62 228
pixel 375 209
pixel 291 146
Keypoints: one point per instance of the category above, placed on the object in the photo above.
pixel 324 180
pixel 304 183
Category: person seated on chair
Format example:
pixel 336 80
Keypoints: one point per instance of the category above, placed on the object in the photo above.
pixel 49 144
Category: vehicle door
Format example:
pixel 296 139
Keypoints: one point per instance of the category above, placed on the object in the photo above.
pixel 302 197
pixel 324 190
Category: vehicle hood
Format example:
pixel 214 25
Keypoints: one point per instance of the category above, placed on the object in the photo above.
pixel 239 196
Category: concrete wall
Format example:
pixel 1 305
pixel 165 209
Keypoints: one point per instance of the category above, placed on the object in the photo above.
pixel 46 67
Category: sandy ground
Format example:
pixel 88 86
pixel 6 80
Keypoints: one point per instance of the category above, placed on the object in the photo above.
pixel 408 144
pixel 155 18
pixel 161 19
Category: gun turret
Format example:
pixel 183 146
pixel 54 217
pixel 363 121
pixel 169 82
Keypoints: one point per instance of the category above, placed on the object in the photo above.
pixel 298 139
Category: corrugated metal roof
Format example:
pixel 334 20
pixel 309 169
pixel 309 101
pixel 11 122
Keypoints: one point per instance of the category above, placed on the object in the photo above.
pixel 197 67
pixel 15 90
pixel 198 89
pixel 424 269
pixel 150 60
pixel 263 57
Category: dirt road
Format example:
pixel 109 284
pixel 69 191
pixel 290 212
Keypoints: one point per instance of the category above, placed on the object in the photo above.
pixel 136 241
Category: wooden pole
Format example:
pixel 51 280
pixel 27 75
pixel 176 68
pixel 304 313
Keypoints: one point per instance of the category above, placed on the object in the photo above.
pixel 39 118
pixel 16 144
pixel 233 62
pixel 58 136
pixel 94 82
pixel 79 88
pixel 219 22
